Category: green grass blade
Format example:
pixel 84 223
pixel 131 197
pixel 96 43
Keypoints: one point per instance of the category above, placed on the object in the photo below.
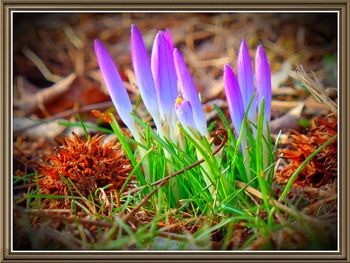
pixel 83 126
pixel 87 125
pixel 118 132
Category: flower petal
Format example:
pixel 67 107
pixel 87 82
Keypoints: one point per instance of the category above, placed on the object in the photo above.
pixel 163 69
pixel 189 92
pixel 143 73
pixel 168 37
pixel 184 113
pixel 115 86
pixel 234 98
pixel 246 79
pixel 263 81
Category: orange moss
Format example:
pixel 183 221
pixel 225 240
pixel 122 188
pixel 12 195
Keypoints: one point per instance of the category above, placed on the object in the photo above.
pixel 88 164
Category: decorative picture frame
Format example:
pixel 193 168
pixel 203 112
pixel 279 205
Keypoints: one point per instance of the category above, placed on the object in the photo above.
pixel 8 8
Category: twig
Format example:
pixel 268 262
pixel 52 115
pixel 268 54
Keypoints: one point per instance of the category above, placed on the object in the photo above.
pixel 58 210
pixel 67 113
pixel 40 65
pixel 23 186
pixel 309 103
pixel 314 87
pixel 127 217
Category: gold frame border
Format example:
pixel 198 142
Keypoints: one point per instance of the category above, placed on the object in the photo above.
pixel 342 6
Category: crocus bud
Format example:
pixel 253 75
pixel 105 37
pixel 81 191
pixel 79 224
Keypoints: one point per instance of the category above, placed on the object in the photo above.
pixel 163 69
pixel 184 114
pixel 234 98
pixel 115 87
pixel 143 74
pixel 246 79
pixel 189 92
pixel 263 81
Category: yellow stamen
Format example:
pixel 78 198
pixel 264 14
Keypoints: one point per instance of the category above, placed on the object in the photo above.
pixel 179 100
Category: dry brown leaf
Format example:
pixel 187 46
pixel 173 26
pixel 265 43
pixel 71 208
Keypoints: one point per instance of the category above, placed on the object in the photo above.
pixel 31 103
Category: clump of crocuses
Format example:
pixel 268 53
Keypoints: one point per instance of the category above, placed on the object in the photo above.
pixel 158 80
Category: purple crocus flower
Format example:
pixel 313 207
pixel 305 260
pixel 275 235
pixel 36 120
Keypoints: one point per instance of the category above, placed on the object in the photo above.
pixel 189 92
pixel 234 98
pixel 163 69
pixel 115 87
pixel 239 102
pixel 143 74
pixel 184 113
pixel 263 81
pixel 246 79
